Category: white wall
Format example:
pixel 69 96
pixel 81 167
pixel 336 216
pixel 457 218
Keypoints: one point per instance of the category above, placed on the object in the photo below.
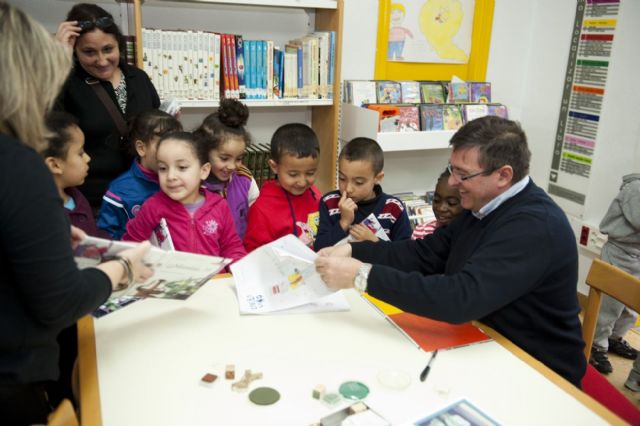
pixel 527 62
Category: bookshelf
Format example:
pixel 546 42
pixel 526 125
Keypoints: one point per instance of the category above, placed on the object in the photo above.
pixel 413 160
pixel 266 19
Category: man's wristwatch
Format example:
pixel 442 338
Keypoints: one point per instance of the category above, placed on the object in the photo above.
pixel 360 280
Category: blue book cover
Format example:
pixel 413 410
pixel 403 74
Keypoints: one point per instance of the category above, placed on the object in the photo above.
pixel 254 68
pixel 247 67
pixel 332 61
pixel 240 65
pixel 276 74
pixel 300 76
pixel 282 73
pixel 431 117
pixel 260 53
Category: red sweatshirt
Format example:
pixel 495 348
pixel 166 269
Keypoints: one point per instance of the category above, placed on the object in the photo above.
pixel 277 213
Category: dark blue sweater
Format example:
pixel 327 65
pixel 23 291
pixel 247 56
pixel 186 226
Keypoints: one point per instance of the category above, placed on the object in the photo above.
pixel 515 270
pixel 389 210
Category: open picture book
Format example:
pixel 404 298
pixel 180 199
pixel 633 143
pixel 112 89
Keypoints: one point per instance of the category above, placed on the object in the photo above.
pixel 177 275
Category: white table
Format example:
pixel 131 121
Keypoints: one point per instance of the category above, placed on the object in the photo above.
pixel 152 354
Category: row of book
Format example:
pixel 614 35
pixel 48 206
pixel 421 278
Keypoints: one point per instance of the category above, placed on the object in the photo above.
pixel 361 92
pixel 207 65
pixel 419 207
pixel 428 117
pixel 256 159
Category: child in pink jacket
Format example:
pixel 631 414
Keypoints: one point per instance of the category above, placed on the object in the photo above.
pixel 199 221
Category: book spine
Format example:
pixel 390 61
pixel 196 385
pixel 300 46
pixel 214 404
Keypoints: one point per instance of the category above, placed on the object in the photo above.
pixel 332 62
pixel 233 77
pixel 269 54
pixel 261 68
pixel 254 69
pixel 299 72
pixel 242 88
pixel 216 52
pixel 226 64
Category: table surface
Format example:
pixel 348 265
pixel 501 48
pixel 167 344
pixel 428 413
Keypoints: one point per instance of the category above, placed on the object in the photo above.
pixel 148 358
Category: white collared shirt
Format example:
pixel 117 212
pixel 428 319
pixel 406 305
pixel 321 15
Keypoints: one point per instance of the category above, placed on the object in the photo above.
pixel 496 202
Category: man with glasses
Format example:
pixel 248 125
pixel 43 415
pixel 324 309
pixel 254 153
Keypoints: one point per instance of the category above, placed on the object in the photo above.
pixel 509 260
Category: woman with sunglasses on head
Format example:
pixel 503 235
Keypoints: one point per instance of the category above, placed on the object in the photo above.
pixel 100 81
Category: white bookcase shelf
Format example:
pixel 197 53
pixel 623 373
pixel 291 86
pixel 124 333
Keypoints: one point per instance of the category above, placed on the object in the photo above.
pixel 363 122
pixel 256 103
pixel 304 4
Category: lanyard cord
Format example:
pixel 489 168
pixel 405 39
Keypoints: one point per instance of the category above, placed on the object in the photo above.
pixel 293 214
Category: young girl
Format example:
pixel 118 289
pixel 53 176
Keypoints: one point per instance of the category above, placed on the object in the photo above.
pixel 446 206
pixel 69 165
pixel 126 193
pixel 226 139
pixel 199 221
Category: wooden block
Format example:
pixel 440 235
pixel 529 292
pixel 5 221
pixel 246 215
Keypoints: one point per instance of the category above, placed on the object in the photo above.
pixel 209 378
pixel 318 392
pixel 358 408
pixel 230 372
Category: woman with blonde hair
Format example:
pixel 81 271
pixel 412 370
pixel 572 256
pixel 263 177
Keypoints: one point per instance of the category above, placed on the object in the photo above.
pixel 41 289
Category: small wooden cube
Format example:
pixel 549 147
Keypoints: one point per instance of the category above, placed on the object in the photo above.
pixel 318 392
pixel 358 408
pixel 230 372
pixel 209 378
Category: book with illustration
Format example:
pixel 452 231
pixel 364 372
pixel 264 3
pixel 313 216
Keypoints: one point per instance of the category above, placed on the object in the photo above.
pixel 177 275
pixel 389 92
pixel 431 117
pixel 280 276
pixel 409 119
pixel 452 117
pixel 480 92
pixel 410 92
pixel 432 92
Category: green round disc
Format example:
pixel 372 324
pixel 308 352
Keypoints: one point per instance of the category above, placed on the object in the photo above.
pixel 264 396
pixel 353 390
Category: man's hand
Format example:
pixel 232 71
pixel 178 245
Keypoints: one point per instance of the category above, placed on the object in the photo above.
pixel 347 211
pixel 361 233
pixel 343 250
pixel 337 272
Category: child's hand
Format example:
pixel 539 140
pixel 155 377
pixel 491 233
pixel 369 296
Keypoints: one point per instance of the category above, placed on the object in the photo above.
pixel 347 211
pixel 77 235
pixel 362 233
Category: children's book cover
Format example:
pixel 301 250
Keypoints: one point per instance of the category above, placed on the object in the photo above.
pixel 177 275
pixel 431 117
pixel 432 92
pixel 279 276
pixel 480 92
pixel 388 117
pixel 161 236
pixel 473 111
pixel 410 92
pixel 362 92
pixel 452 117
pixel 389 92
pixel 498 110
pixel 461 412
pixel 409 119
pixel 458 92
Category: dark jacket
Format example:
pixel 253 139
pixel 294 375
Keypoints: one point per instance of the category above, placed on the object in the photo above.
pixel 515 270
pixel 82 216
pixel 108 153
pixel 41 289
pixel 390 212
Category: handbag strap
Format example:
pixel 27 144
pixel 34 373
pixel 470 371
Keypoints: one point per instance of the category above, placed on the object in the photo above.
pixel 108 103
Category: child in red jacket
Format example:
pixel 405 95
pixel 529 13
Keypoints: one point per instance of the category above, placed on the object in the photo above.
pixel 289 203
pixel 199 221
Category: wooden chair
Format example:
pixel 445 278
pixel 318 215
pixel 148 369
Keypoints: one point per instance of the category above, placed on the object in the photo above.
pixel 64 415
pixel 613 281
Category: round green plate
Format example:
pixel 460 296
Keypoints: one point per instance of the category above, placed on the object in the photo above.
pixel 264 396
pixel 353 390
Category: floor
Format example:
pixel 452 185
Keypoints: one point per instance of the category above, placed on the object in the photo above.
pixel 622 366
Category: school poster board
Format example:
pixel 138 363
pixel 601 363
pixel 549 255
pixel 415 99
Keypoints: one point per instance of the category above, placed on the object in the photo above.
pixel 475 67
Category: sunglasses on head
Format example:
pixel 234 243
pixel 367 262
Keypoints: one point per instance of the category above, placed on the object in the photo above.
pixel 102 23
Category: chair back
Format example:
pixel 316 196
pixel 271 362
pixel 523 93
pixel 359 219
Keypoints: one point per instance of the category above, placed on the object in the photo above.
pixel 608 279
pixel 64 415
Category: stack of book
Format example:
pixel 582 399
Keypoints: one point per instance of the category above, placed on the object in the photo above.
pixel 410 106
pixel 207 65
pixel 418 207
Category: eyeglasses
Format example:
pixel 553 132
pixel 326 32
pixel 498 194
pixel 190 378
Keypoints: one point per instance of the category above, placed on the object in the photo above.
pixel 462 178
pixel 102 23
